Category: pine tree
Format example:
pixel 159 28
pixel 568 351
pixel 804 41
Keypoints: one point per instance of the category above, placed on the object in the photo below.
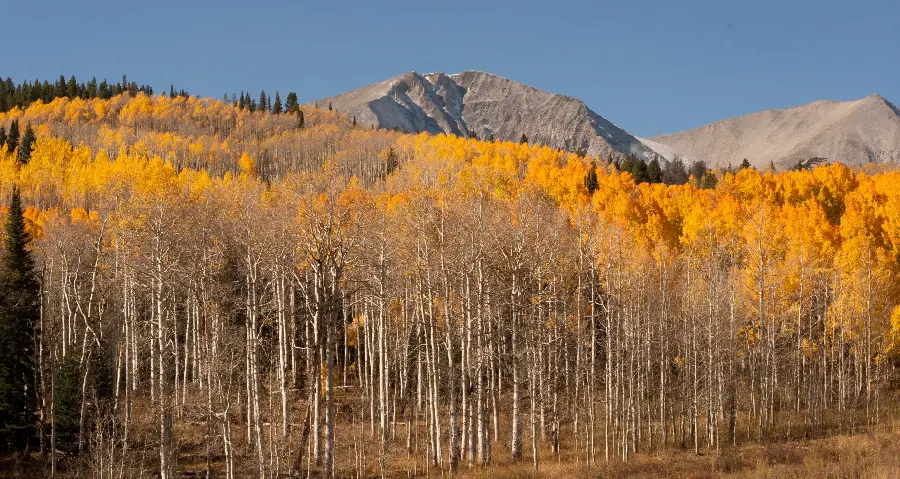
pixel 276 107
pixel 27 145
pixel 745 164
pixel 590 180
pixel 12 138
pixel 2 138
pixel 67 404
pixel 291 104
pixel 654 172
pixel 709 181
pixel 638 169
pixel 19 312
pixel 262 101
pixel 300 119
pixel 698 171
pixel 329 106
pixel 72 87
pixel 60 87
pixel 523 139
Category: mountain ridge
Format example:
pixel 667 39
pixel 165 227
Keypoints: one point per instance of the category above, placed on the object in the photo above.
pixel 479 103
pixel 853 132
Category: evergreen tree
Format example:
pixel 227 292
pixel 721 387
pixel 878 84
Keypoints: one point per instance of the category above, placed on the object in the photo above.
pixel 12 138
pixel 67 404
pixel 391 162
pixel 262 101
pixel 590 180
pixel 698 171
pixel 654 172
pixel 60 87
pixel 291 104
pixel 745 164
pixel 523 139
pixel 300 119
pixel 709 181
pixel 27 145
pixel 276 107
pixel 638 169
pixel 92 88
pixel 2 138
pixel 329 106
pixel 636 166
pixel 19 312
pixel 72 87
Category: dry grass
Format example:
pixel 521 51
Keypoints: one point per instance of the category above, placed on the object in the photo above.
pixel 864 454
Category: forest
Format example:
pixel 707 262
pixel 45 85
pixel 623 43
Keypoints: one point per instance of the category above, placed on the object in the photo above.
pixel 225 291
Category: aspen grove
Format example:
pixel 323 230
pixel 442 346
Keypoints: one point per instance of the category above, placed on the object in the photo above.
pixel 257 294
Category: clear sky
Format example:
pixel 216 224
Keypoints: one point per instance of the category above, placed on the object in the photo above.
pixel 652 67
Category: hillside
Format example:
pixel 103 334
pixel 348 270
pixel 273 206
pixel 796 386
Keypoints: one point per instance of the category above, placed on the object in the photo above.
pixel 485 105
pixel 234 292
pixel 852 132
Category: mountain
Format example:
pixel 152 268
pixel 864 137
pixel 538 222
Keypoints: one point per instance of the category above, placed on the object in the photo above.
pixel 852 132
pixel 485 105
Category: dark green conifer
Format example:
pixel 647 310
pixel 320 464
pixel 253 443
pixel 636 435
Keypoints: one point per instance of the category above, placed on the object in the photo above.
pixel 654 172
pixel 67 404
pixel 590 181
pixel 291 104
pixel 698 171
pixel 276 106
pixel 12 137
pixel 19 312
pixel 709 181
pixel 72 87
pixel 27 145
pixel 60 87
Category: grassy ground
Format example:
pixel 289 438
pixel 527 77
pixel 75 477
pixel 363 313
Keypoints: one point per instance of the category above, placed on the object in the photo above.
pixel 866 454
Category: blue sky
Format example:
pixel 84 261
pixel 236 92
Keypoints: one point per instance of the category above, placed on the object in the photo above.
pixel 650 66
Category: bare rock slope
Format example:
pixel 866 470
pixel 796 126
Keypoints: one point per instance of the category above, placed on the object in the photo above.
pixel 852 132
pixel 486 105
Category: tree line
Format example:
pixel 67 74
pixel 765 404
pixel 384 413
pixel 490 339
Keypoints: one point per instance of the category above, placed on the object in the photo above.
pixel 21 95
